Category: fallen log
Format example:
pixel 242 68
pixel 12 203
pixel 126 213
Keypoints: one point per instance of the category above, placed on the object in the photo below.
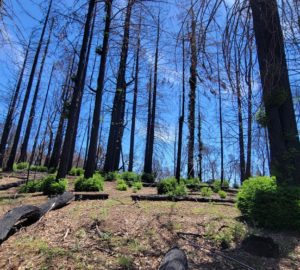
pixel 82 196
pixel 175 259
pixel 56 202
pixel 11 185
pixel 28 213
pixel 178 198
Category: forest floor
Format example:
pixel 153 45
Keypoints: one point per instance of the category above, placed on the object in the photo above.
pixel 121 234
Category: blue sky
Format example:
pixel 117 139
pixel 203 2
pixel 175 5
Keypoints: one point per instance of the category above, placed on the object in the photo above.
pixel 29 16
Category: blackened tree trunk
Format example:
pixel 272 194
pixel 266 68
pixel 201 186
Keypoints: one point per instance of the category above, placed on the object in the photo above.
pixel 221 123
pixel 77 95
pixel 23 154
pixel 240 118
pixel 41 120
pixel 248 80
pixel 74 136
pixel 134 105
pixel 192 96
pixel 12 108
pixel 13 151
pixel 282 127
pixel 148 120
pixel 92 152
pixel 113 152
pixel 54 159
pixel 47 159
pixel 181 117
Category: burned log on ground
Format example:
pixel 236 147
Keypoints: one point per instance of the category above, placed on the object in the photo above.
pixel 178 198
pixel 28 214
pixel 82 196
pixel 24 213
pixel 56 202
pixel 175 259
pixel 11 185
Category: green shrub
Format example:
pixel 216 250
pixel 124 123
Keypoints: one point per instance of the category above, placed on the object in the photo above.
pixel 170 186
pixel 31 187
pixel 222 194
pixel 52 187
pixel 217 185
pixel 52 170
pixel 126 263
pixel 38 168
pixel 262 201
pixel 148 177
pixel 137 185
pixel 112 176
pixel 76 171
pixel 21 166
pixel 206 192
pixel 121 185
pixel 192 181
pixel 130 178
pixel 94 183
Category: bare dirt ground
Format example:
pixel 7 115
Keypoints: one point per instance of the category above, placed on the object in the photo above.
pixel 120 234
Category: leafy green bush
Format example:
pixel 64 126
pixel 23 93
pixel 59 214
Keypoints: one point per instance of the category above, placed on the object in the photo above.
pixel 262 201
pixel 76 171
pixel 170 186
pixel 130 178
pixel 222 194
pixel 206 192
pixel 121 185
pixel 137 185
pixel 38 168
pixel 52 187
pixel 148 177
pixel 217 185
pixel 52 170
pixel 31 187
pixel 94 183
pixel 112 176
pixel 21 166
pixel 192 181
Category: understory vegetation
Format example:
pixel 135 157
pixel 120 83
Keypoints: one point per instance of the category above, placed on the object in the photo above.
pixel 267 204
pixel 94 183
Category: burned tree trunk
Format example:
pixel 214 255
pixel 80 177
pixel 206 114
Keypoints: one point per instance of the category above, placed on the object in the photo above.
pixel 149 156
pixel 192 96
pixel 135 94
pixel 13 152
pixel 77 96
pixel 277 96
pixel 91 159
pixel 11 110
pixel 23 154
pixel 41 119
pixel 74 136
pixel 116 130
pixel 54 159
pixel 181 117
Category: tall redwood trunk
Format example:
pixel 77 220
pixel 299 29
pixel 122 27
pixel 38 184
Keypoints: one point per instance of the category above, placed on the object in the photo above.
pixel 41 119
pixel 282 127
pixel 12 108
pixel 24 146
pixel 74 136
pixel 192 96
pixel 134 105
pixel 54 159
pixel 77 95
pixel 148 120
pixel 13 152
pixel 92 152
pixel 181 117
pixel 116 130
